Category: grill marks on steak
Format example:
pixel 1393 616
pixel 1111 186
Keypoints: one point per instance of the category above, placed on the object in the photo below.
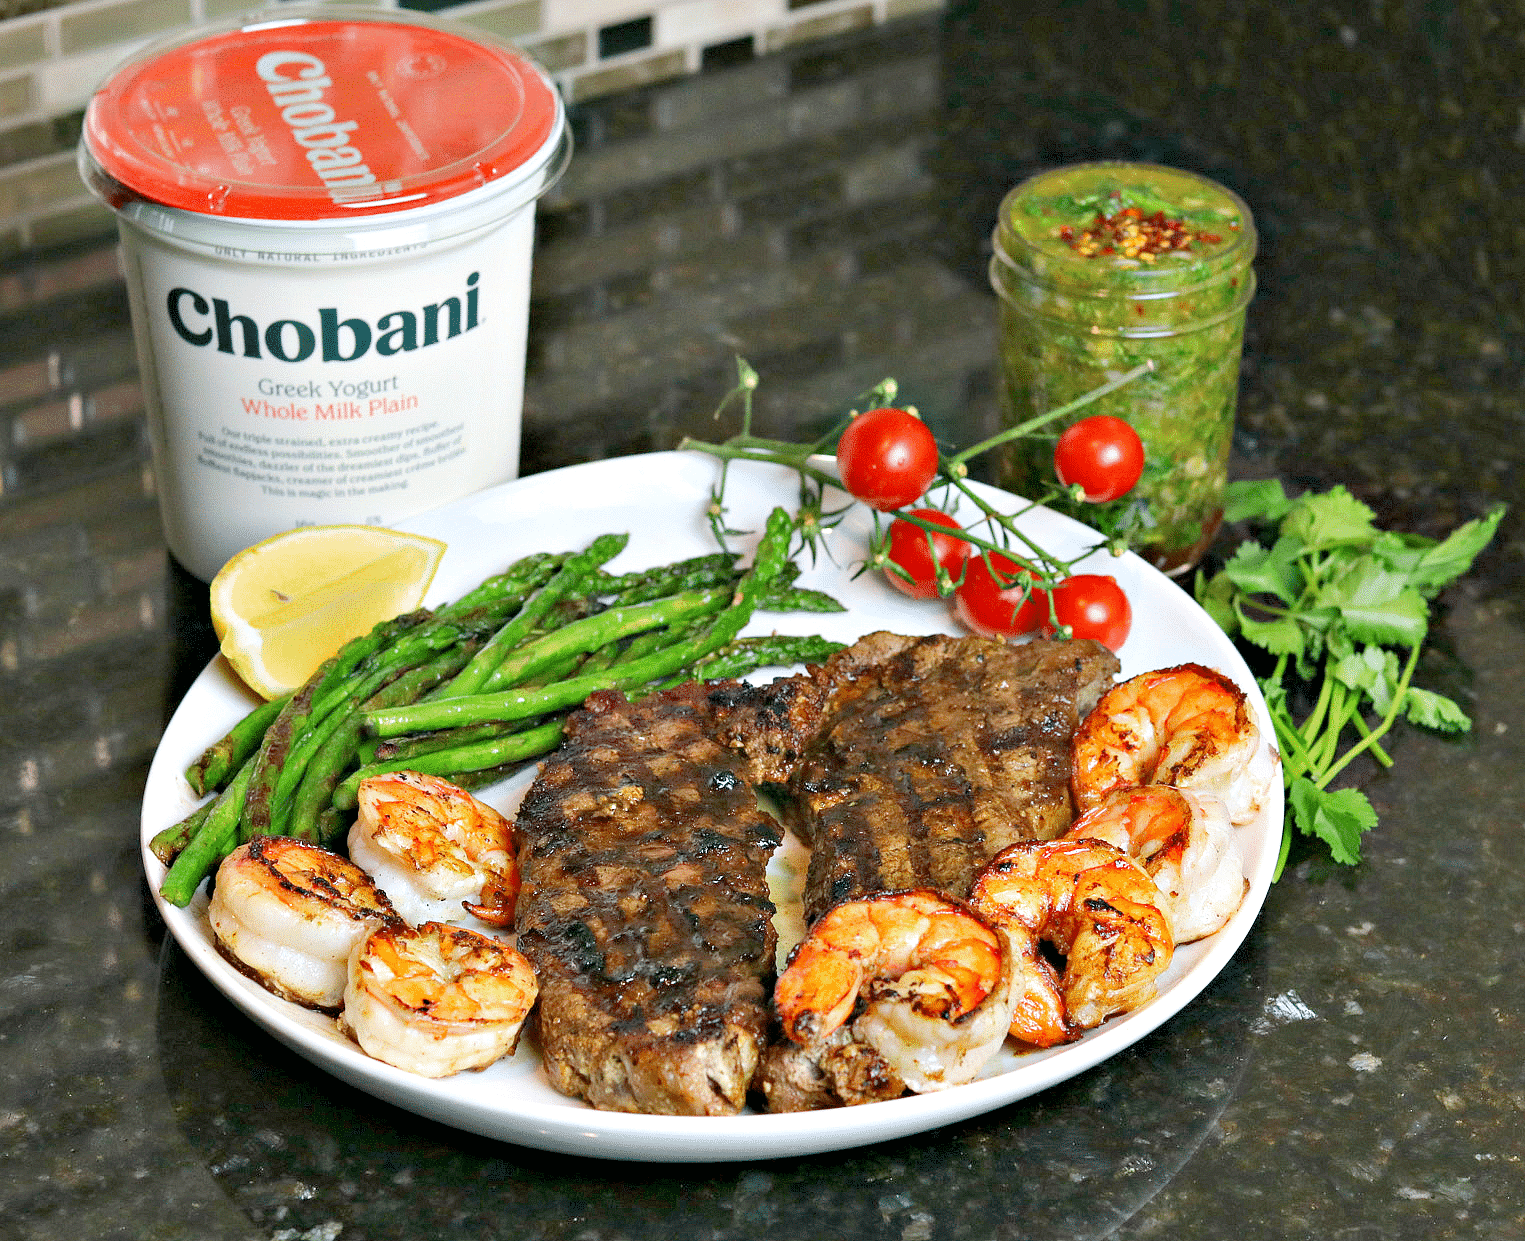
pixel 645 908
pixel 932 754
pixel 907 762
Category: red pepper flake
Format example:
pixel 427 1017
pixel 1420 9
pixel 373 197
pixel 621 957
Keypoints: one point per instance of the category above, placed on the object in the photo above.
pixel 1134 235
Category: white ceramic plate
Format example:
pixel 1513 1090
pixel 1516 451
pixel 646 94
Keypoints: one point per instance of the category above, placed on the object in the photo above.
pixel 660 500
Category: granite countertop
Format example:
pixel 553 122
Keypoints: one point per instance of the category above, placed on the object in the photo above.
pixel 1355 1072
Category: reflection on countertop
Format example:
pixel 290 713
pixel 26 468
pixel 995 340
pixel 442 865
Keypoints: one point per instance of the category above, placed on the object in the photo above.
pixel 825 213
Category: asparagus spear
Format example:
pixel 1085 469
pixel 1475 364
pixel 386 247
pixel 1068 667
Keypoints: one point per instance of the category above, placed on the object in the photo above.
pixel 315 792
pixel 225 756
pixel 214 840
pixel 714 569
pixel 746 655
pixel 411 649
pixel 493 601
pixel 265 767
pixel 525 575
pixel 492 754
pixel 771 555
pixel 598 631
pixel 166 845
pixel 569 578
pixel 798 599
pixel 415 643
pixel 401 749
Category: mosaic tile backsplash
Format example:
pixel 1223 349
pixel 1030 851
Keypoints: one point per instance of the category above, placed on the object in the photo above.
pixel 52 58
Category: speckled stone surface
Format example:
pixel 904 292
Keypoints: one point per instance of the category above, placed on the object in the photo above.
pixel 1357 1072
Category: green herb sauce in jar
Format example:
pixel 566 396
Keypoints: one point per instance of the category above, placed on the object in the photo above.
pixel 1101 267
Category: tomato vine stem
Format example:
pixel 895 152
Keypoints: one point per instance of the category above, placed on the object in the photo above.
pixel 1037 568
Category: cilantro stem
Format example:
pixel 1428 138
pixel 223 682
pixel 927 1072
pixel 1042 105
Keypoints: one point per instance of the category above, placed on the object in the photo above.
pixel 1369 741
pixel 1377 752
pixel 1294 751
pixel 1336 719
pixel 1310 726
pixel 1286 845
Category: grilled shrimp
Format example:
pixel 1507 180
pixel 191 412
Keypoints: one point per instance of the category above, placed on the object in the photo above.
pixel 1186 843
pixel 435 849
pixel 912 976
pixel 1098 909
pixel 288 914
pixel 1186 726
pixel 437 999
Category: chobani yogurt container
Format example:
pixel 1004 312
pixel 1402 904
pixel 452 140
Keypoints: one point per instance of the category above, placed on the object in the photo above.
pixel 327 222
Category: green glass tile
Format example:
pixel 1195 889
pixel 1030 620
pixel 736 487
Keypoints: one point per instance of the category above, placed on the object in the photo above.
pixel 22 45
pixel 508 21
pixel 37 187
pixel 15 95
pixel 820 28
pixel 623 38
pixel 628 77
pixel 554 55
pixel 89 220
pixel 79 32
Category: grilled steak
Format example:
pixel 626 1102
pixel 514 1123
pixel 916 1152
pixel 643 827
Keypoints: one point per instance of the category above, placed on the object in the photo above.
pixel 906 762
pixel 932 754
pixel 645 908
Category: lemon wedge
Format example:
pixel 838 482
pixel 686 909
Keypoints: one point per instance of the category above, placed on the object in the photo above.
pixel 281 607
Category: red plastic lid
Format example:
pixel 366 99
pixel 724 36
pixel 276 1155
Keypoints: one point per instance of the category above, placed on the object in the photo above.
pixel 317 119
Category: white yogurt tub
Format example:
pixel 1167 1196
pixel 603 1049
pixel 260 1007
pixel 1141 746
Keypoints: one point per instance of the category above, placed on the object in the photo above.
pixel 327 219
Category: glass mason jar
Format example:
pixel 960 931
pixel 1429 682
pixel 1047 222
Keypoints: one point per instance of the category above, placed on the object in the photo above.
pixel 1102 267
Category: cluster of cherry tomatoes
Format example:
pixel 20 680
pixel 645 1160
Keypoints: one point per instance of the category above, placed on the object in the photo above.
pixel 887 458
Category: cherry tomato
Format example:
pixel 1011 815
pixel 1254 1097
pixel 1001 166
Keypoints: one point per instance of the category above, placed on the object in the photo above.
pixel 992 610
pixel 1103 454
pixel 908 549
pixel 1093 606
pixel 887 458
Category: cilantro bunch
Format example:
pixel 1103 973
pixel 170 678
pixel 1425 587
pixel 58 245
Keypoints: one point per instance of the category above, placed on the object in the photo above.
pixel 1344 606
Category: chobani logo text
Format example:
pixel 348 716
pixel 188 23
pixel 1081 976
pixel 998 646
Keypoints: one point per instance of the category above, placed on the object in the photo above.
pixel 212 322
pixel 296 81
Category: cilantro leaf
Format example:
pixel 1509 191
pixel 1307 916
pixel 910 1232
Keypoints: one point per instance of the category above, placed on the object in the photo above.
pixel 1372 671
pixel 1260 499
pixel 1431 710
pixel 1274 571
pixel 1282 636
pixel 1217 600
pixel 1336 600
pixel 1442 563
pixel 1338 817
pixel 1367 670
pixel 1377 605
pixel 1329 518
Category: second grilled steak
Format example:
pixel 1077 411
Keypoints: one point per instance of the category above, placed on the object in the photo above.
pixel 645 908
pixel 932 754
